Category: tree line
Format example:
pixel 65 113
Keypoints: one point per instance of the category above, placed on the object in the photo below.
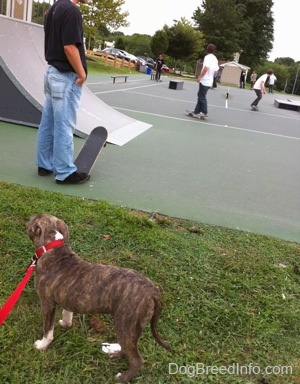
pixel 237 27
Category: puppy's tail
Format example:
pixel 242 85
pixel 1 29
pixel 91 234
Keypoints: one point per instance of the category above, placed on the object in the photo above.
pixel 154 321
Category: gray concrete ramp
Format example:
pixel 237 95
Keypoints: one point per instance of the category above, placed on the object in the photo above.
pixel 22 68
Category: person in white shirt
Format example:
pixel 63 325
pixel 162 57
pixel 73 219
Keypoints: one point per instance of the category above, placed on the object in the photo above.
pixel 272 80
pixel 209 70
pixel 259 88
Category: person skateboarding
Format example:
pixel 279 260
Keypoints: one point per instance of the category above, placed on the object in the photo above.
pixel 259 88
pixel 205 79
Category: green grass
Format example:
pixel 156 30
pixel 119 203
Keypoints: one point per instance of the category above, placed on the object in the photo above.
pixel 96 65
pixel 230 297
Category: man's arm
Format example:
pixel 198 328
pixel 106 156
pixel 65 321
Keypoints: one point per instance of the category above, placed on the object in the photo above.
pixel 203 72
pixel 73 57
pixel 262 87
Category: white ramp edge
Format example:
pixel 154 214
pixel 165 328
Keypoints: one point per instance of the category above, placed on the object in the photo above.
pixel 22 50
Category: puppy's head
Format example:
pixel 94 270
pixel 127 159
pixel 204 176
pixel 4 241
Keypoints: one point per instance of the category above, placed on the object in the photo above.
pixel 42 229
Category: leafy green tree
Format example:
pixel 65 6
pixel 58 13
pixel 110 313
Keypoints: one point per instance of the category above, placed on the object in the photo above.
pixel 38 11
pixel 222 24
pixel 98 14
pixel 120 43
pixel 185 42
pixel 258 42
pixel 159 43
pixel 237 26
pixel 288 61
pixel 139 45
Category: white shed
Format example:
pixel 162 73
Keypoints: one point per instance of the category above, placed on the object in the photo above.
pixel 231 72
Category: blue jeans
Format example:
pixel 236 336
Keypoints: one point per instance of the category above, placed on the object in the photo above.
pixel 201 105
pixel 55 145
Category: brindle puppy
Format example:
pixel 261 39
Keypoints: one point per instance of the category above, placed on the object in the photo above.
pixel 64 279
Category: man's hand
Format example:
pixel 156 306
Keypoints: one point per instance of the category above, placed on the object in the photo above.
pixel 73 57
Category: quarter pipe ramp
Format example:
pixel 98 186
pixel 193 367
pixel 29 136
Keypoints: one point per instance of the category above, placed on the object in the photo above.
pixel 22 68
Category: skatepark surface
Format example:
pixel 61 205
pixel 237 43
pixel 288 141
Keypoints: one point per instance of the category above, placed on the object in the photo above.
pixel 238 168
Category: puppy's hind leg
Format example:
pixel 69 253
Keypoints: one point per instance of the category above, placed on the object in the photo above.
pixel 48 318
pixel 67 318
pixel 128 339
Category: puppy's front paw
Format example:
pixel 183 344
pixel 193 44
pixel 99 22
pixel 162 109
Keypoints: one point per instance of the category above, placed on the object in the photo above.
pixel 41 345
pixel 64 324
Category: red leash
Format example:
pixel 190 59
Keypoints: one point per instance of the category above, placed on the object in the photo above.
pixel 14 297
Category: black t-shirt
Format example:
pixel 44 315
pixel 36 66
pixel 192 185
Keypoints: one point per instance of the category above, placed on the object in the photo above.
pixel 159 63
pixel 63 26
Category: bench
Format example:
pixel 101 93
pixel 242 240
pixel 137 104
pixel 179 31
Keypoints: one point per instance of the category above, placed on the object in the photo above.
pixel 119 76
pixel 176 84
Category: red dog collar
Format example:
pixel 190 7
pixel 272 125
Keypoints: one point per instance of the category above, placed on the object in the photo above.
pixel 45 248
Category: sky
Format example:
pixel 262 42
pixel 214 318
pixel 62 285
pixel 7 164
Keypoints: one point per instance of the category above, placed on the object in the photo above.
pixel 147 18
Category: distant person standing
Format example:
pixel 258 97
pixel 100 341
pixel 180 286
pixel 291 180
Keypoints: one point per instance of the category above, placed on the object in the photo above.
pixel 242 79
pixel 253 78
pixel 205 79
pixel 259 88
pixel 271 84
pixel 158 66
pixel 65 75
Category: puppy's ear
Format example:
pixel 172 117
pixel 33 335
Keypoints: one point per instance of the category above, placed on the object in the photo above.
pixel 33 228
pixel 63 229
pixel 36 233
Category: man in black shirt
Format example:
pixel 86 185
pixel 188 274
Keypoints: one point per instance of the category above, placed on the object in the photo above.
pixel 64 78
pixel 158 66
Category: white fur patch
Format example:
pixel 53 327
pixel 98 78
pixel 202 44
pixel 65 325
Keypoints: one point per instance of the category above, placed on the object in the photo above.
pixel 111 349
pixel 66 320
pixel 58 236
pixel 43 344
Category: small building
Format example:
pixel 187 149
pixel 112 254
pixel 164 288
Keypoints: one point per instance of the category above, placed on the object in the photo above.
pixel 230 72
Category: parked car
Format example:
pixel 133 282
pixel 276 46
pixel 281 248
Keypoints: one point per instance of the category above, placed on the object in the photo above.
pixel 141 60
pixel 149 62
pixel 114 52
pixel 129 56
pixel 165 68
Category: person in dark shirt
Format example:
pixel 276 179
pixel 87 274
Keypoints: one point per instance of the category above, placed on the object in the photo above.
pixel 242 79
pixel 158 66
pixel 63 81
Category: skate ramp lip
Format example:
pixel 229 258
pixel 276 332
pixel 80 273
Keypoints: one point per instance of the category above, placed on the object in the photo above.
pixel 23 64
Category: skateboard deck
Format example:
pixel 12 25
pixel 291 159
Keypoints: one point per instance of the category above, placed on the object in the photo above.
pixel 192 114
pixel 91 150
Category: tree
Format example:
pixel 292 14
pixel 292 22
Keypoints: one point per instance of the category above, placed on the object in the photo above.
pixel 259 40
pixel 185 42
pixel 139 45
pixel 120 43
pixel 288 61
pixel 38 11
pixel 238 26
pixel 222 24
pixel 159 43
pixel 98 14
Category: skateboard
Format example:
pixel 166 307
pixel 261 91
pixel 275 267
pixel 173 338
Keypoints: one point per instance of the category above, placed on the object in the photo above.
pixel 192 114
pixel 91 150
pixel 254 109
